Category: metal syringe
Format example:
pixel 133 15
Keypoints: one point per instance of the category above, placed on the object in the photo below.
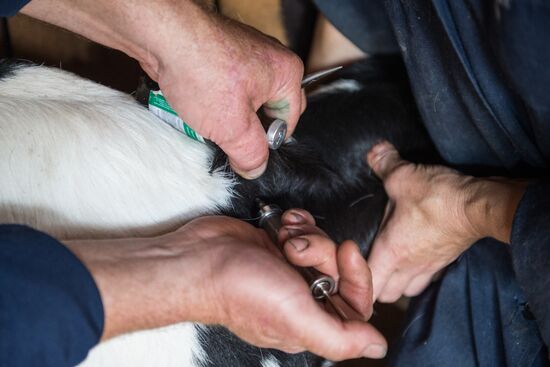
pixel 322 286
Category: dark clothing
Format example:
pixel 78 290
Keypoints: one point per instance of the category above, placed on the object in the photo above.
pixel 480 74
pixel 11 7
pixel 476 315
pixel 50 308
pixel 366 23
pixel 531 251
pixel 483 102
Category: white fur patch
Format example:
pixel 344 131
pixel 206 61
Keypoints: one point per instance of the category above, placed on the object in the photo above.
pixel 173 346
pixel 341 85
pixel 83 160
pixel 270 362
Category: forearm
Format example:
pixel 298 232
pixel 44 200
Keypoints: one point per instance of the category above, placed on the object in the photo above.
pixel 131 277
pixel 216 73
pixel 144 30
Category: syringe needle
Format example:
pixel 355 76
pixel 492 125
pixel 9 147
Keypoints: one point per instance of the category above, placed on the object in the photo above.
pixel 322 286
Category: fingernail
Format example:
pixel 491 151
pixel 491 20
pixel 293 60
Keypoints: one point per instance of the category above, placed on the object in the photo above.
pixel 375 351
pixel 296 218
pixel 294 232
pixel 299 243
pixel 253 174
pixel 381 147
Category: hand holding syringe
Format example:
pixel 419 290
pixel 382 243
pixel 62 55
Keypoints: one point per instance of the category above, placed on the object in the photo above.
pixel 322 286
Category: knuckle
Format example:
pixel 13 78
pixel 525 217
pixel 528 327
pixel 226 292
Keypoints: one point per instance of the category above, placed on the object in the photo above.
pixel 256 158
pixel 397 177
pixel 293 349
pixel 412 292
pixel 348 350
pixel 297 65
pixel 340 353
pixel 247 155
pixel 396 254
pixel 389 297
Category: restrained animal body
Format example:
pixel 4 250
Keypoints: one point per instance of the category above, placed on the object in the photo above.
pixel 79 160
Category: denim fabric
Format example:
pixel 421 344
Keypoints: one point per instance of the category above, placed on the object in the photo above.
pixel 51 313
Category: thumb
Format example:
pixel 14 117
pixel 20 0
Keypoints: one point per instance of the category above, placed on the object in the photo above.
pixel 288 101
pixel 287 106
pixel 335 340
pixel 248 152
pixel 383 158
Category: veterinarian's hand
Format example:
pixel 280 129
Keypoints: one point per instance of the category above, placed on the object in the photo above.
pixel 306 245
pixel 433 215
pixel 220 270
pixel 267 303
pixel 215 72
pixel 219 83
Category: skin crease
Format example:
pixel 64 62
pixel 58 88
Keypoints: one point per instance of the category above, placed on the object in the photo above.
pixel 215 72
pixel 434 214
pixel 224 271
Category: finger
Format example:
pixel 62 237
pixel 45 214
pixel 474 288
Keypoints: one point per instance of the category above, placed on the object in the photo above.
pixel 286 102
pixel 303 105
pixel 383 158
pixel 247 148
pixel 381 265
pixel 297 216
pixel 341 309
pixel 395 287
pixel 297 230
pixel 355 278
pixel 418 284
pixel 313 250
pixel 336 340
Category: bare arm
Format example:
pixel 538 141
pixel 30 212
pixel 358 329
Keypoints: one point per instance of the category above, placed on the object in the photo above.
pixel 223 271
pixel 215 72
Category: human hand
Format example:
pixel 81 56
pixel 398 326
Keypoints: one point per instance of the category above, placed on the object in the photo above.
pixel 434 214
pixel 219 82
pixel 224 271
pixel 268 304
pixel 215 72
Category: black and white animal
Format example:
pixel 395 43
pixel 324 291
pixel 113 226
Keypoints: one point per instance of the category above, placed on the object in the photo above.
pixel 80 160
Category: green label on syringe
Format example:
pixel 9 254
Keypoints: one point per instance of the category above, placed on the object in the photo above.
pixel 160 108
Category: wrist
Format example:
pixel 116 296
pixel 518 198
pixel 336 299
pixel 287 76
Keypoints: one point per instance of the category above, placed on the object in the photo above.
pixel 491 206
pixel 144 282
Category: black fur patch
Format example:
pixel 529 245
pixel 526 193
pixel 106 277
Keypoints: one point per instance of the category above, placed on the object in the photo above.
pixel 8 66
